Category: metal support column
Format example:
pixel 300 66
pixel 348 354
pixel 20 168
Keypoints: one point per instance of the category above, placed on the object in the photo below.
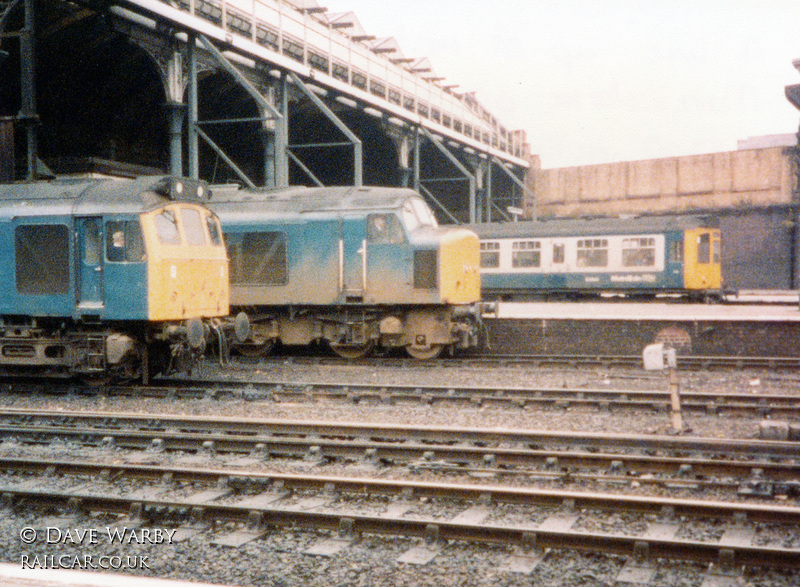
pixel 520 183
pixel 470 178
pixel 358 148
pixel 282 136
pixel 27 114
pixel 176 109
pixel 192 147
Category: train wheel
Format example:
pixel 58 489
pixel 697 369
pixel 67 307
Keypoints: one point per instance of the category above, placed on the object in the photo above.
pixel 425 354
pixel 353 351
pixel 255 350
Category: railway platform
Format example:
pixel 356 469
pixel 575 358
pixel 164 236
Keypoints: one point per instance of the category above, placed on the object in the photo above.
pixel 625 328
pixel 12 575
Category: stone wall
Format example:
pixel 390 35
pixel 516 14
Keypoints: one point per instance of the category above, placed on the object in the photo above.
pixel 731 180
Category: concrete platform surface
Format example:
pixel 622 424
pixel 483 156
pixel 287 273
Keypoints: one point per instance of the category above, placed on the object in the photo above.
pixel 12 575
pixel 647 311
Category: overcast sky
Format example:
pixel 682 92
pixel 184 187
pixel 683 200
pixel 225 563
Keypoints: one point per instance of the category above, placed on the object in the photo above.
pixel 595 81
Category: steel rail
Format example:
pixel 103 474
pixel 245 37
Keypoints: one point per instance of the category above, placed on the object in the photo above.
pixel 260 519
pixel 521 396
pixel 688 362
pixel 762 404
pixel 116 423
pixel 556 464
pixel 243 479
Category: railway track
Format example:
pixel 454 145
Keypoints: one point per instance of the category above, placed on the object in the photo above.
pixel 688 362
pixel 730 403
pixel 761 469
pixel 353 507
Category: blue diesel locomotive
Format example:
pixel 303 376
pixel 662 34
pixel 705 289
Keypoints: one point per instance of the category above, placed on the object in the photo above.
pixel 103 278
pixel 630 256
pixel 360 268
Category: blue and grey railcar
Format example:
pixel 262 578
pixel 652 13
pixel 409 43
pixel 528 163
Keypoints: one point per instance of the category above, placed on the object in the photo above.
pixel 630 256
pixel 108 278
pixel 358 268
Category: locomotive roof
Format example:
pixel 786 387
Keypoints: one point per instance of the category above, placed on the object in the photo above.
pixel 591 227
pixel 299 199
pixel 67 196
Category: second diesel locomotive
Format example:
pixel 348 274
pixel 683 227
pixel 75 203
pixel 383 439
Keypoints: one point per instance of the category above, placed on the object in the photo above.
pixel 108 278
pixel 360 268
pixel 630 256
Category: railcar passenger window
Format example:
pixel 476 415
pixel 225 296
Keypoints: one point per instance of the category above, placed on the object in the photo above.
pixel 704 248
pixel 193 227
pixel 526 254
pixel 639 252
pixel 676 252
pixel 42 259
pixel 592 252
pixel 490 255
pixel 167 228
pixel 384 228
pixel 558 253
pixel 257 258
pixel 214 231
pixel 124 241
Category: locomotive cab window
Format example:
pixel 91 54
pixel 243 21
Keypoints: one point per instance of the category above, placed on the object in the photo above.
pixel 490 255
pixel 639 252
pixel 384 229
pixel 214 230
pixel 124 241
pixel 257 258
pixel 526 254
pixel 592 252
pixel 193 227
pixel 167 228
pixel 42 259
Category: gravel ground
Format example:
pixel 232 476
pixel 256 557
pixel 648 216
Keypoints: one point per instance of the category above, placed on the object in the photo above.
pixel 278 559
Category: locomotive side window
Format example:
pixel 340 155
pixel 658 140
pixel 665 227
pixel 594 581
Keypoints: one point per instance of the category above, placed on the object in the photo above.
pixel 704 248
pixel 124 241
pixel 490 255
pixel 42 258
pixel 214 230
pixel 167 228
pixel 193 227
pixel 385 229
pixel 526 254
pixel 639 252
pixel 592 252
pixel 257 258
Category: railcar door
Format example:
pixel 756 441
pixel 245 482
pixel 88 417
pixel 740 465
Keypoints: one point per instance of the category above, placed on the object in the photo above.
pixel 353 258
pixel 89 231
